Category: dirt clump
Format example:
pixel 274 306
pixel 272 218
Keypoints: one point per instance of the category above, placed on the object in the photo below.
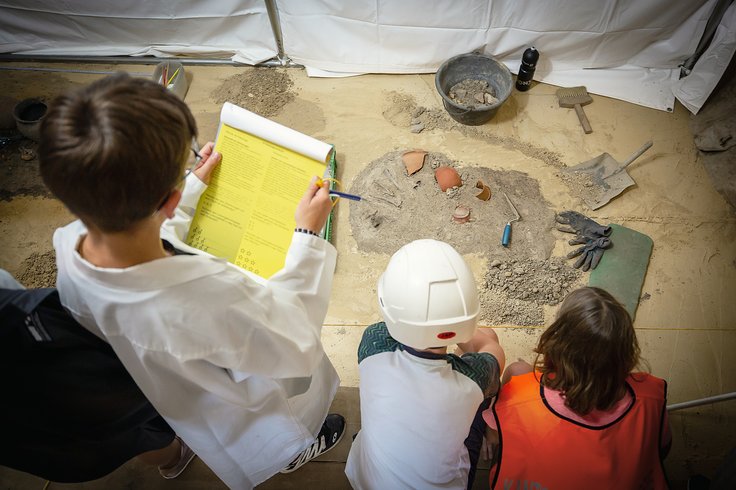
pixel 543 282
pixel 514 291
pixel 474 94
pixel 429 119
pixel 498 309
pixel 399 109
pixel 19 174
pixel 38 270
pixel 264 91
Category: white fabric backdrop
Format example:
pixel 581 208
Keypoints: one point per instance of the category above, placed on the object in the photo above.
pixel 627 49
pixel 694 89
pixel 236 29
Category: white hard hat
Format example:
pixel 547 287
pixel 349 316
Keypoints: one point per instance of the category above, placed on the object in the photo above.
pixel 428 296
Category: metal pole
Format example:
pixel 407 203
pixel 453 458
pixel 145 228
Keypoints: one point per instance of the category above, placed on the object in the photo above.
pixel 273 16
pixel 131 60
pixel 710 30
pixel 70 70
pixel 702 401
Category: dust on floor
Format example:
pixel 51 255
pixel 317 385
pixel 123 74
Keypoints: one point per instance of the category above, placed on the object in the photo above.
pixel 714 131
pixel 38 270
pixel 19 174
pixel 264 91
pixel 402 111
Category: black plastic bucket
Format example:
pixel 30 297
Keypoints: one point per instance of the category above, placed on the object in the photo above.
pixel 473 66
pixel 28 115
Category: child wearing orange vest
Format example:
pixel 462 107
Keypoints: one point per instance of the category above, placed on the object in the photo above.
pixel 582 419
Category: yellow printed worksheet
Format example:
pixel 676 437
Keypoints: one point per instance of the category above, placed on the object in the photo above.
pixel 246 215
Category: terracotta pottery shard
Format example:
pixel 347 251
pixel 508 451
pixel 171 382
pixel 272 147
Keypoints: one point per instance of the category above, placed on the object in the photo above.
pixel 413 160
pixel 461 214
pixel 485 192
pixel 447 178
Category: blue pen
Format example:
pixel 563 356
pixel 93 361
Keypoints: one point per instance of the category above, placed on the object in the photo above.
pixel 352 197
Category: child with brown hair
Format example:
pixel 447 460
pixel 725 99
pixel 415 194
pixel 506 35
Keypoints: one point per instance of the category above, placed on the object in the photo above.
pixel 237 368
pixel 581 418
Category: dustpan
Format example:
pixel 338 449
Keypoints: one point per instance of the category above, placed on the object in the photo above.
pixel 607 175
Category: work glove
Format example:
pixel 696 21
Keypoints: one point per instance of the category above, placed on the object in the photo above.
pixel 590 253
pixel 581 225
pixel 591 235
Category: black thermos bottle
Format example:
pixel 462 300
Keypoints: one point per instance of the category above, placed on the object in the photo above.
pixel 526 69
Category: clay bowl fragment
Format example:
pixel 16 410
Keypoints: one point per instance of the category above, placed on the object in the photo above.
pixel 461 214
pixel 413 160
pixel 447 178
pixel 484 193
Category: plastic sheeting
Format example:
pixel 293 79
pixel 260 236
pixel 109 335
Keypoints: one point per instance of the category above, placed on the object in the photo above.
pixel 626 49
pixel 694 89
pixel 238 29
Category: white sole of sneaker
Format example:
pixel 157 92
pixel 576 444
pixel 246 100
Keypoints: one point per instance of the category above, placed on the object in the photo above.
pixel 345 429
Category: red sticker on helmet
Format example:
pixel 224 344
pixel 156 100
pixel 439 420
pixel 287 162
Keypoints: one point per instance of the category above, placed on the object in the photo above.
pixel 445 335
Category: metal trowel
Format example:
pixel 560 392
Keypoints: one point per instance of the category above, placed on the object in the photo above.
pixel 607 175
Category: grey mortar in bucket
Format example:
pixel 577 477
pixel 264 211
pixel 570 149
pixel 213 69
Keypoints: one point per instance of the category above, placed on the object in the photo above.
pixel 28 115
pixel 473 66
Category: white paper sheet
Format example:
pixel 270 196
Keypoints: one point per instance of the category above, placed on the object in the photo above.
pixel 256 125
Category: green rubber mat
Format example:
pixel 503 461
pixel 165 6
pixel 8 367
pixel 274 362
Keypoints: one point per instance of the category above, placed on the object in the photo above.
pixel 623 267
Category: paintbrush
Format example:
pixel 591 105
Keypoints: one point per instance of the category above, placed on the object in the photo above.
pixel 576 97
pixel 172 77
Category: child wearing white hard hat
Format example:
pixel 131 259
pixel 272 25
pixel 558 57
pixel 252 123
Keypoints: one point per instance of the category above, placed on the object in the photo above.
pixel 420 406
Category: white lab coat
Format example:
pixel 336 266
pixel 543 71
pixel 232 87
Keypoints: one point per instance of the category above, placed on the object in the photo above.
pixel 237 368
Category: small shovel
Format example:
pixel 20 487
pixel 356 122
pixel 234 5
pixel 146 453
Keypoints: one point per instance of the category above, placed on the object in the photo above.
pixel 607 175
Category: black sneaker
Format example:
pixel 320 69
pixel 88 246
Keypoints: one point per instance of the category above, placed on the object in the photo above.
pixel 329 435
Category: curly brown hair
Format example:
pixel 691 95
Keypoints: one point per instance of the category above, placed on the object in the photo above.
pixel 588 351
pixel 112 151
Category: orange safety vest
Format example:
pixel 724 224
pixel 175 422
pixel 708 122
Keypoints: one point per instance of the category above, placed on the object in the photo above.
pixel 541 450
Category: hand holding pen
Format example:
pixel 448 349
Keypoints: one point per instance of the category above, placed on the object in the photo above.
pixel 314 207
pixel 334 193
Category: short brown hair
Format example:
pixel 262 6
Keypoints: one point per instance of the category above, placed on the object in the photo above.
pixel 113 150
pixel 588 351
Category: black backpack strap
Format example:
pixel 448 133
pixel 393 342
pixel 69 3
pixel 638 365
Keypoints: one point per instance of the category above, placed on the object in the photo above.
pixel 25 300
pixel 72 411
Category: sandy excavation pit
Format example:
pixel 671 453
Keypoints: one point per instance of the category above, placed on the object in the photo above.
pixel 379 224
pixel 400 208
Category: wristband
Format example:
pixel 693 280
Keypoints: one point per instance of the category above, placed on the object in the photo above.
pixel 304 230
